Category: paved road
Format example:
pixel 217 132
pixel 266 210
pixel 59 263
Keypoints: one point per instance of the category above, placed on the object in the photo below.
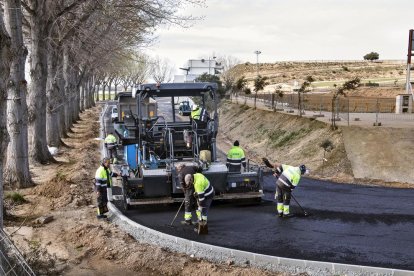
pixel 349 224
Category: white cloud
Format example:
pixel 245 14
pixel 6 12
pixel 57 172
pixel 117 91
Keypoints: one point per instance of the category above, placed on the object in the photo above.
pixel 291 30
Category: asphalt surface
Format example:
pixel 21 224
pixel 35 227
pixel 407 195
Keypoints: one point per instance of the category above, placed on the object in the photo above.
pixel 349 223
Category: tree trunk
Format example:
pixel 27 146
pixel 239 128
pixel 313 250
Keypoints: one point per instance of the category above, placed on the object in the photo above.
pixel 61 87
pixel 37 96
pixel 17 172
pixel 103 92
pixel 97 92
pixel 53 102
pixel 76 100
pixel 82 97
pixel 67 89
pixel 255 97
pixel 5 57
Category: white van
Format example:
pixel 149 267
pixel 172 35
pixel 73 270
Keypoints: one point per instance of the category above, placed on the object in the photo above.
pixel 114 114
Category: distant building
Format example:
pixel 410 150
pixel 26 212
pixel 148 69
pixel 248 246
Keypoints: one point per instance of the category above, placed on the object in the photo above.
pixel 196 67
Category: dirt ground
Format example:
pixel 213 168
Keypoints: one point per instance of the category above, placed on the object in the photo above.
pixel 75 242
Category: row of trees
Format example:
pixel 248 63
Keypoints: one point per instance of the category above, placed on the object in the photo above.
pixel 74 46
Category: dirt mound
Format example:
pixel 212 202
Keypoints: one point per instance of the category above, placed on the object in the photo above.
pixel 381 154
pixel 54 188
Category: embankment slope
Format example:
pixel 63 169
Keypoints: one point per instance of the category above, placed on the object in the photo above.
pixel 369 155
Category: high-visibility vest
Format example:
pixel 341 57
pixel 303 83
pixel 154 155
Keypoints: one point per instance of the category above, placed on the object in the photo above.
pixel 290 176
pixel 235 158
pixel 103 177
pixel 110 139
pixel 202 186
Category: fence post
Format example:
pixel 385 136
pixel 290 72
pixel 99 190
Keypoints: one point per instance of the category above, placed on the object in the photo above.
pixel 348 111
pixel 320 105
pixel 337 109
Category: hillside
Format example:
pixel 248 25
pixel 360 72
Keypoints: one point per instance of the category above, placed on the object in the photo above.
pixel 327 74
pixel 362 155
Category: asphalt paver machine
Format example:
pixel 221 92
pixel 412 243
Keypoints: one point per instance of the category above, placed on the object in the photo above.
pixel 156 140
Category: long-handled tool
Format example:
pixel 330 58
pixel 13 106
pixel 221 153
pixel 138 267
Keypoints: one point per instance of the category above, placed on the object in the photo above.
pixel 179 209
pixel 305 214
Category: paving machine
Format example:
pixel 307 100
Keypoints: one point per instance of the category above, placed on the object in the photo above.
pixel 156 141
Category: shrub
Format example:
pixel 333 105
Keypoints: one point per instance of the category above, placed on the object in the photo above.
pixel 16 197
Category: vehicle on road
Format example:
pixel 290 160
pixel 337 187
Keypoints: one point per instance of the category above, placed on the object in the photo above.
pixel 156 145
pixel 114 114
pixel 184 109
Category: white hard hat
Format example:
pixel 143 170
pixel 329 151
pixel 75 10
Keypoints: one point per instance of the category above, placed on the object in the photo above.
pixel 195 107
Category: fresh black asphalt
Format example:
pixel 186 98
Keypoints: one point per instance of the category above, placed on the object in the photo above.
pixel 351 224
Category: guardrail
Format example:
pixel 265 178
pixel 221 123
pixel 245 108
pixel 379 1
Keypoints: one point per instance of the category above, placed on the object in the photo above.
pixel 12 261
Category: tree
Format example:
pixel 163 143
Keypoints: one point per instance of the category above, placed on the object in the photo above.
pixel 17 166
pixel 327 146
pixel 371 56
pixel 5 57
pixel 212 78
pixel 259 84
pixel 349 85
pixel 228 74
pixel 240 85
pixel 162 70
pixel 303 89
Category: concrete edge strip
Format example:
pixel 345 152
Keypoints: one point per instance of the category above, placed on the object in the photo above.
pixel 243 258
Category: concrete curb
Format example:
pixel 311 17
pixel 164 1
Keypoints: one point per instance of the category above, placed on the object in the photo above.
pixel 243 258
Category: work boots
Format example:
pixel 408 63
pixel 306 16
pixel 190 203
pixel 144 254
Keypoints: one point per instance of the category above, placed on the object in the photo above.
pixel 280 215
pixel 288 215
pixel 186 222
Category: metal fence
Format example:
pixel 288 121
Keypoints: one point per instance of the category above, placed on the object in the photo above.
pixel 11 260
pixel 343 108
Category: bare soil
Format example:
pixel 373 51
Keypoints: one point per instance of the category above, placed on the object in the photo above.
pixel 369 156
pixel 75 242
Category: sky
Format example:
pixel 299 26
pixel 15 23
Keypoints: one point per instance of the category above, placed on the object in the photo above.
pixel 289 30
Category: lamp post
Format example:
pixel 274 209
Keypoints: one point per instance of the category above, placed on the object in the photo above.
pixel 257 52
pixel 209 64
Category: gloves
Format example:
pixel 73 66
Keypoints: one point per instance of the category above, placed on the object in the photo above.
pixel 267 163
pixel 195 195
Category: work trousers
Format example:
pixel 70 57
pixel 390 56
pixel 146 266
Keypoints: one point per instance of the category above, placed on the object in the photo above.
pixel 102 200
pixel 189 203
pixel 203 207
pixel 112 153
pixel 283 195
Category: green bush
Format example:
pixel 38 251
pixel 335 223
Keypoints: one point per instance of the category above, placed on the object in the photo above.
pixel 16 197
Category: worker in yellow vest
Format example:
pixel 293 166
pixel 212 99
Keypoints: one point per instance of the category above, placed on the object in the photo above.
pixel 111 143
pixel 103 180
pixel 204 192
pixel 288 178
pixel 236 158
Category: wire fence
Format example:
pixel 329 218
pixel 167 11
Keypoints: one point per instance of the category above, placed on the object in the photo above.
pixel 342 108
pixel 11 260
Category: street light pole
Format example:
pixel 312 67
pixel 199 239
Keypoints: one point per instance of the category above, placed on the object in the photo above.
pixel 257 52
pixel 209 64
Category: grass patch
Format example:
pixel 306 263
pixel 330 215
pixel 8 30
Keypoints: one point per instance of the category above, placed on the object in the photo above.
pixel 34 244
pixel 280 138
pixel 244 107
pixel 60 176
pixel 16 198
